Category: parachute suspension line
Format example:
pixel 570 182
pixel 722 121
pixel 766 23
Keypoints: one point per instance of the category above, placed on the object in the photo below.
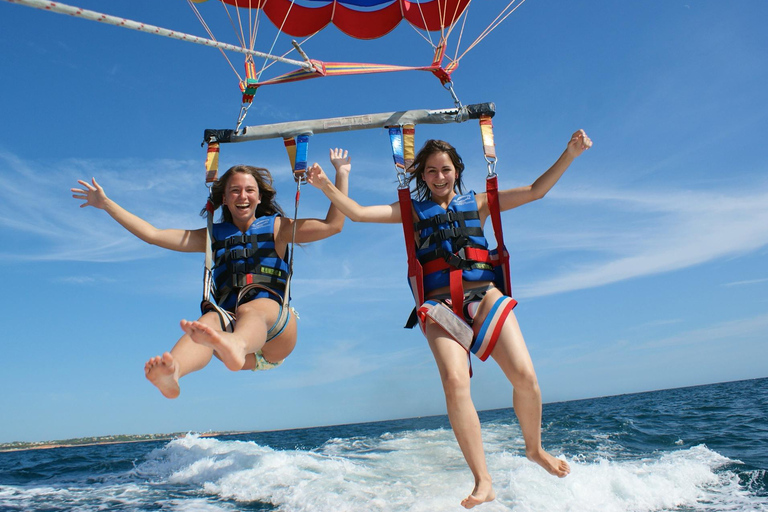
pixel 461 35
pixel 210 34
pixel 237 28
pixel 454 18
pixel 427 38
pixel 150 29
pixel 503 15
pixel 277 35
pixel 254 25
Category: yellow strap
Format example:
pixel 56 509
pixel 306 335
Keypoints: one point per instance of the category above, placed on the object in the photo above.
pixel 290 148
pixel 486 128
pixel 212 162
pixel 409 132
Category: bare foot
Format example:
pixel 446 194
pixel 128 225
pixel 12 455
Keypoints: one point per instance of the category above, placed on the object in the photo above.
pixel 554 466
pixel 482 493
pixel 163 371
pixel 224 343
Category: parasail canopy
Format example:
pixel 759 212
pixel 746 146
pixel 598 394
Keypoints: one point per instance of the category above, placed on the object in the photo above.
pixel 365 19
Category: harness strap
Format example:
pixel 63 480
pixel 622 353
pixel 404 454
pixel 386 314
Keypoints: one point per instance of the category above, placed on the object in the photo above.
pixel 283 316
pixel 492 189
pixel 401 141
pixel 467 258
pixel 415 271
pixel 228 320
pixel 297 150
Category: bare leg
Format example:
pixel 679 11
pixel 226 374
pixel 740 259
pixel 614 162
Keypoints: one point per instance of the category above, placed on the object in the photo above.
pixel 512 356
pixel 186 356
pixel 253 321
pixel 454 372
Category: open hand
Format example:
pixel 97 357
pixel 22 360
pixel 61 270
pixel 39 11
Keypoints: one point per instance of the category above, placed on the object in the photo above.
pixel 340 160
pixel 92 194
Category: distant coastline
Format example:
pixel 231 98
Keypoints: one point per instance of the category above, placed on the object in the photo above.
pixel 94 441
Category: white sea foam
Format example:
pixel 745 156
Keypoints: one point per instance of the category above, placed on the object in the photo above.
pixel 414 471
pixel 424 471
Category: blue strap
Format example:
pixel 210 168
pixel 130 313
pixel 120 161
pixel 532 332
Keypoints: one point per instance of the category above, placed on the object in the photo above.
pixel 302 141
pixel 396 141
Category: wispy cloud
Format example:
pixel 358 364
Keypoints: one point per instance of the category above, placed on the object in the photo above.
pixel 747 282
pixel 36 204
pixel 84 280
pixel 669 230
pixel 754 327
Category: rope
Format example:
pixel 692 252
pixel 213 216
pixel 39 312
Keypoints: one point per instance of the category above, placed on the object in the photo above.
pixel 150 29
pixel 493 25
pixel 210 34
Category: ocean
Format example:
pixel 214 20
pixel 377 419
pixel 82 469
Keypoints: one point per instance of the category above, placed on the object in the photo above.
pixel 701 448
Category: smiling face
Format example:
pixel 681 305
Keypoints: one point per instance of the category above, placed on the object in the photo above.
pixel 440 175
pixel 241 197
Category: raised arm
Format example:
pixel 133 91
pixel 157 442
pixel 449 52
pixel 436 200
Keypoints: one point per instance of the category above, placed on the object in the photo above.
pixel 311 230
pixel 384 213
pixel 182 240
pixel 342 163
pixel 514 197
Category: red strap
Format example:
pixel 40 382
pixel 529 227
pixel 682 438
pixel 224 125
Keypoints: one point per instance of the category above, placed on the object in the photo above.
pixel 492 194
pixel 472 253
pixel 415 273
pixel 457 291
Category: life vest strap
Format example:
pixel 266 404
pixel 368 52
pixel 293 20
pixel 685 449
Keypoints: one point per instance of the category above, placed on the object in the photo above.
pixel 241 240
pixel 449 216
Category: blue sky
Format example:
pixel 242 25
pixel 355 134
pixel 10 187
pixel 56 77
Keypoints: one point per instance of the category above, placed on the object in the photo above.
pixel 644 268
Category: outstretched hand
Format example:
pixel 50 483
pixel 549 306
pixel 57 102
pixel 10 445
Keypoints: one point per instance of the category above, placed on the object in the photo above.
pixel 579 143
pixel 92 194
pixel 340 160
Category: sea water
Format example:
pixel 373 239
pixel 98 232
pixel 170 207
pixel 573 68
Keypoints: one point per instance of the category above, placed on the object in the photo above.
pixel 692 449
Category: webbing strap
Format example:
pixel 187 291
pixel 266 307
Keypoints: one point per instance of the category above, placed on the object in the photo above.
pixel 212 162
pixel 396 143
pixel 402 150
pixel 486 130
pixel 409 150
pixel 208 271
pixel 415 272
pixel 297 150
pixel 492 193
pixel 249 85
pixel 456 282
pixel 492 188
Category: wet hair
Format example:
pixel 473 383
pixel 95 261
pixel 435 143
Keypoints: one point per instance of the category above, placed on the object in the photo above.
pixel 430 148
pixel 267 205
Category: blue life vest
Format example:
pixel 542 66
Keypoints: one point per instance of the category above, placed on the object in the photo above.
pixel 452 238
pixel 244 258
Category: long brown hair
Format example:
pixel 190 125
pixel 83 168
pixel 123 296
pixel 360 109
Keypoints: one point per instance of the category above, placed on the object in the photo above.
pixel 267 206
pixel 431 147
